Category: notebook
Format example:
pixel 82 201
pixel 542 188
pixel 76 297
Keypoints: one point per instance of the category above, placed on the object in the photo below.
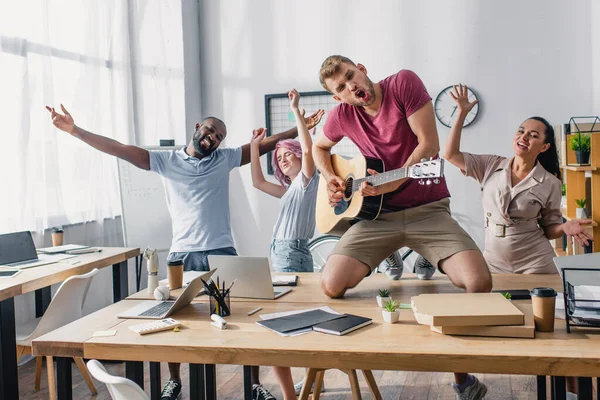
pixel 295 322
pixel 285 280
pixel 341 326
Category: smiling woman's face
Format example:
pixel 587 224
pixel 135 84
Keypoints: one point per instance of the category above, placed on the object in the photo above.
pixel 289 164
pixel 530 139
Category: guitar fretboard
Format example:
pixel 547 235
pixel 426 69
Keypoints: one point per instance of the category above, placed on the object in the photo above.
pixel 380 179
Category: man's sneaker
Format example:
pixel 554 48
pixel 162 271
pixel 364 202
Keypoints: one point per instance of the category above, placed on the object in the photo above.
pixel 475 391
pixel 423 268
pixel 171 391
pixel 260 393
pixel 298 387
pixel 394 266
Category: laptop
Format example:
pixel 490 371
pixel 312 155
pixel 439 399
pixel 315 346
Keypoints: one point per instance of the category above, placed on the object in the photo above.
pixel 584 261
pixel 17 250
pixel 252 276
pixel 162 309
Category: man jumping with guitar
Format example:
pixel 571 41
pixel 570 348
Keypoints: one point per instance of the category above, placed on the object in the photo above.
pixel 393 121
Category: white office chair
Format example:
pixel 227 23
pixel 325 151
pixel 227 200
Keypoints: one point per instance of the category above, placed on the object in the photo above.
pixel 118 387
pixel 65 307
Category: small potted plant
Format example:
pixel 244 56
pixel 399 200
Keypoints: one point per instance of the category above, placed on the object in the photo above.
pixel 390 311
pixel 580 143
pixel 383 297
pixel 580 210
pixel 507 296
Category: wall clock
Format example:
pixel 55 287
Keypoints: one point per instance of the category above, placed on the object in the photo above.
pixel 446 109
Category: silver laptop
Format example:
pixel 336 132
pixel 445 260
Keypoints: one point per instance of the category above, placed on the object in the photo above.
pixel 252 276
pixel 161 309
pixel 17 250
pixel 584 261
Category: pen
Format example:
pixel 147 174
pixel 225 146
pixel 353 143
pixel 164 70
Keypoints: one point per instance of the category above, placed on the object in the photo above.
pixel 255 310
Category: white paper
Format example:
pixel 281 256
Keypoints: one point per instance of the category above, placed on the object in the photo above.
pixel 284 278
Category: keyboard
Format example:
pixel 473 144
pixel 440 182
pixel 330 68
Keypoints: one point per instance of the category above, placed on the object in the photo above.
pixel 158 309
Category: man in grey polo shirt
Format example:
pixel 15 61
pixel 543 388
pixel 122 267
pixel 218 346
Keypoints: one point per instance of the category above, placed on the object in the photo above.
pixel 196 181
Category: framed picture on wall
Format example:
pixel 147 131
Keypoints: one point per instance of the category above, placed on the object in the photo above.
pixel 279 118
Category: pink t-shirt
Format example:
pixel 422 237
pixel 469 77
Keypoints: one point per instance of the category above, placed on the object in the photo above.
pixel 388 136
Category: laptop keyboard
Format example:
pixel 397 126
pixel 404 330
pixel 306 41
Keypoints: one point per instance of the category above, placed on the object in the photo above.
pixel 157 310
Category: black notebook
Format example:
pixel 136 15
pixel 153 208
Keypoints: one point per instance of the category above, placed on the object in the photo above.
pixel 341 326
pixel 295 322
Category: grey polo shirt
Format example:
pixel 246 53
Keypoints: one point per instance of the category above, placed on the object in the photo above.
pixel 197 192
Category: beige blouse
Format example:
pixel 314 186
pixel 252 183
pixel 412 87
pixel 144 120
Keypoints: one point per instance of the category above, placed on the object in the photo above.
pixel 514 216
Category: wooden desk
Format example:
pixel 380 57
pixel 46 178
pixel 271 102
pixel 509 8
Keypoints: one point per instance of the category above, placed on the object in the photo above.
pixel 309 289
pixel 402 346
pixel 38 280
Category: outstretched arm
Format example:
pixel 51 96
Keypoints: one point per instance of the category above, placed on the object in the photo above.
pixel 452 151
pixel 258 179
pixel 573 229
pixel 269 143
pixel 135 155
pixel 308 164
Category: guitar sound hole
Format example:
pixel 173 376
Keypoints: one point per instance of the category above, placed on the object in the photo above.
pixel 348 189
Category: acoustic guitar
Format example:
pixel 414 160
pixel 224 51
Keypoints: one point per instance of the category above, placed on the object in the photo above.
pixel 353 205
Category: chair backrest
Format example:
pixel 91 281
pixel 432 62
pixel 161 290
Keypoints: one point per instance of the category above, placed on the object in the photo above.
pixel 66 305
pixel 118 387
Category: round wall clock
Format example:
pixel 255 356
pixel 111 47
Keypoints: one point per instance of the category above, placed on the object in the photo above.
pixel 446 109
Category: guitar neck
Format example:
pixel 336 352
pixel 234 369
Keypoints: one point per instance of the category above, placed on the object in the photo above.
pixel 380 179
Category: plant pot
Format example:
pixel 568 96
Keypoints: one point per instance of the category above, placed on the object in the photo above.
pixel 582 157
pixel 580 213
pixel 382 300
pixel 390 317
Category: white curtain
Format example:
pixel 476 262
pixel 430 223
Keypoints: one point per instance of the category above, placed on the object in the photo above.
pixel 117 66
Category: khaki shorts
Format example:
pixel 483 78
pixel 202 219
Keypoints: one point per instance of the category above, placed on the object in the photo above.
pixel 429 230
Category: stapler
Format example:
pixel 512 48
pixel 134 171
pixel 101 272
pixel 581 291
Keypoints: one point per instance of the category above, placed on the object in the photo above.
pixel 218 321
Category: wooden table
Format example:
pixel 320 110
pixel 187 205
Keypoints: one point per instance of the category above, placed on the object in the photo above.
pixel 402 346
pixel 38 280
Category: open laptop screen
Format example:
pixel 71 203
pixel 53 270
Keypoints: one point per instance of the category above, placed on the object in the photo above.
pixel 16 247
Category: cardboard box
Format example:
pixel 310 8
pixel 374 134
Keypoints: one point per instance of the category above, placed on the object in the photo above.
pixel 527 330
pixel 465 309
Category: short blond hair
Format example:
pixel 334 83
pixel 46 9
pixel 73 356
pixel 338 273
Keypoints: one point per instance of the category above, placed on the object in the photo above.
pixel 330 67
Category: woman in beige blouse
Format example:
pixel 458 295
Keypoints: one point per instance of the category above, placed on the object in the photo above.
pixel 521 196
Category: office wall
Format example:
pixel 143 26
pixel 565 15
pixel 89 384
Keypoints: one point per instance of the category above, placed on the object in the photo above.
pixel 595 38
pixel 522 58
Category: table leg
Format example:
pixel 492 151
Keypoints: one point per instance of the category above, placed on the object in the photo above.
pixel 559 388
pixel 120 281
pixel 210 381
pixel 64 380
pixel 585 388
pixel 9 378
pixel 247 382
pixel 43 297
pixel 155 388
pixel 134 370
pixel 541 387
pixel 197 387
pixel 138 272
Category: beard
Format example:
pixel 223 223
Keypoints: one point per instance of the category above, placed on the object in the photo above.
pixel 371 91
pixel 199 149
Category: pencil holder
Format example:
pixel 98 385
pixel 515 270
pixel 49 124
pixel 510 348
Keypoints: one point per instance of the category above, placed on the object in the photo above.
pixel 220 306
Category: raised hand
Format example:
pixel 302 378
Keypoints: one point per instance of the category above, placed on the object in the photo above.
pixel 313 119
pixel 63 122
pixel 257 136
pixel 294 97
pixel 460 94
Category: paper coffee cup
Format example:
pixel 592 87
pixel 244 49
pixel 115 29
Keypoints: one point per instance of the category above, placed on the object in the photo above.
pixel 175 274
pixel 57 237
pixel 543 301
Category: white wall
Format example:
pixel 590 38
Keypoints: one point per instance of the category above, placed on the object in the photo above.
pixel 595 38
pixel 522 58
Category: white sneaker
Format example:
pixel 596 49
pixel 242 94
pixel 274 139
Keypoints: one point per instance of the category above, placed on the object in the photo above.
pixel 298 387
pixel 475 391
pixel 424 269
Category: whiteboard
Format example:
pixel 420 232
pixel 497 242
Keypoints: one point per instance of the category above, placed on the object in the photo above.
pixel 146 219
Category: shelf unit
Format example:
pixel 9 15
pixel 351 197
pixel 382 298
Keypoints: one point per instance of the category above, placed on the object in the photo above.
pixel 576 176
